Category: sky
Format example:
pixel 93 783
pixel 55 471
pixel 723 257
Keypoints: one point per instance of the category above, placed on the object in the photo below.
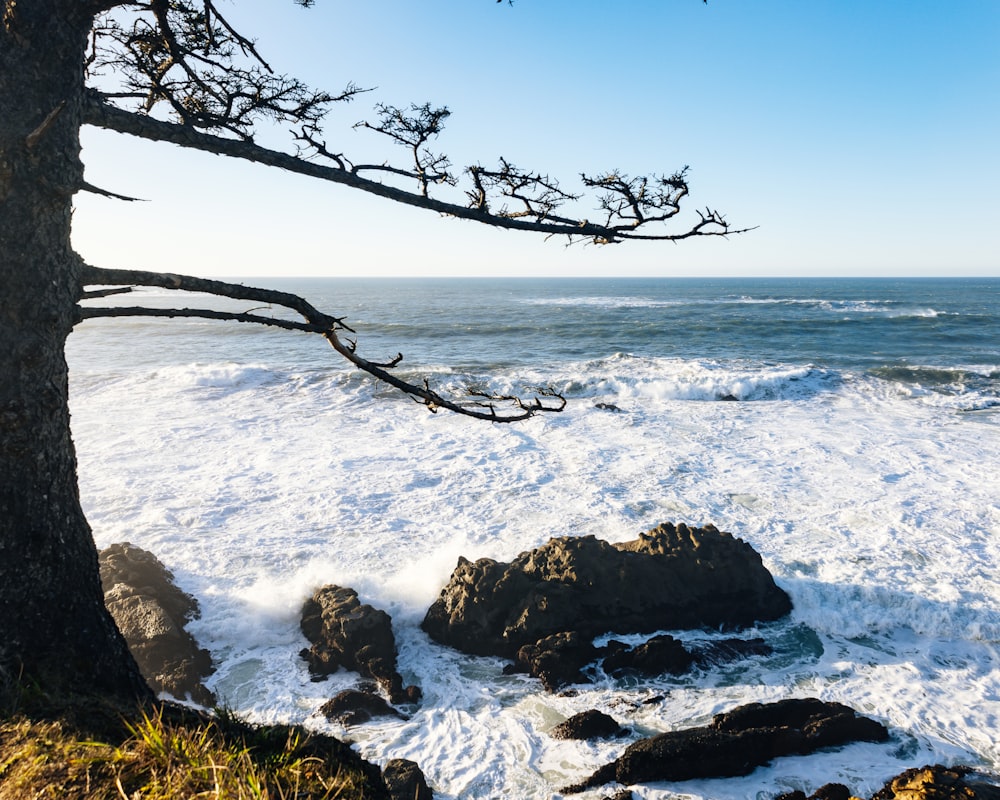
pixel 858 138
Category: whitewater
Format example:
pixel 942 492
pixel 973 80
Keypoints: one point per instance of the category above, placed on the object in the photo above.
pixel 848 430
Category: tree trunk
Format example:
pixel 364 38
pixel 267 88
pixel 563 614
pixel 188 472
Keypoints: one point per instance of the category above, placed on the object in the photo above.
pixel 55 632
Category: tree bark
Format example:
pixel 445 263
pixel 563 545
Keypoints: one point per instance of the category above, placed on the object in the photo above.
pixel 55 632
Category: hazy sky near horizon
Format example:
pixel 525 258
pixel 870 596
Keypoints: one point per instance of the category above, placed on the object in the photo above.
pixel 863 138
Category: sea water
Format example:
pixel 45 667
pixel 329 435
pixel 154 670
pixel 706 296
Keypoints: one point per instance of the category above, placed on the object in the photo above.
pixel 849 430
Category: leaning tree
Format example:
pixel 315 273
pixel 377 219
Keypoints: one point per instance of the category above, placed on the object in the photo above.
pixel 178 71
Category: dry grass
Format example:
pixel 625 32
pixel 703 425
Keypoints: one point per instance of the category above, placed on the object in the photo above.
pixel 166 756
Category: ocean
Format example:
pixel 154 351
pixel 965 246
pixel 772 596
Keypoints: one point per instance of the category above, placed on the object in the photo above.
pixel 848 429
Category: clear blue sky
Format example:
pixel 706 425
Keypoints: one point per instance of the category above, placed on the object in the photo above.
pixel 863 138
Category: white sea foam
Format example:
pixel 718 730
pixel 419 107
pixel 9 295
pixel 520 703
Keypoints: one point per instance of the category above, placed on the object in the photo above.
pixel 878 513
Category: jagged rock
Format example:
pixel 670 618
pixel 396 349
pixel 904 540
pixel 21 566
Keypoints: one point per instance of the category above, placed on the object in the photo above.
pixel 737 742
pixel 353 707
pixel 621 794
pixel 151 613
pixel 672 577
pixel 345 633
pixel 556 660
pixel 938 783
pixel 405 781
pixel 591 724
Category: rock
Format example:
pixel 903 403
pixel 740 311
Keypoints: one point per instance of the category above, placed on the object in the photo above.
pixel 672 577
pixel 831 791
pixel 405 781
pixel 725 650
pixel 661 654
pixel 938 783
pixel 353 707
pixel 737 742
pixel 556 660
pixel 591 724
pixel 828 791
pixel 344 633
pixel 151 613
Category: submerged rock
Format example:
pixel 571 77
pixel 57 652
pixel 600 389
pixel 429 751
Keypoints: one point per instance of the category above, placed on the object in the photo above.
pixel 737 742
pixel 151 613
pixel 344 633
pixel 661 654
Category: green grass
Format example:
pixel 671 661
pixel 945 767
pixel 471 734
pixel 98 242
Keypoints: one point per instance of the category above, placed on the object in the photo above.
pixel 169 753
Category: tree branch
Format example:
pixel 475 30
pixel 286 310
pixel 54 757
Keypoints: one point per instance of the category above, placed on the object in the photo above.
pixel 101 114
pixel 315 322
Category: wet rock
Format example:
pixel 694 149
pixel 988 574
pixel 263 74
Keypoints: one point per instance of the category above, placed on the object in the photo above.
pixel 591 724
pixel 661 654
pixel 353 707
pixel 938 783
pixel 151 613
pixel 671 578
pixel 828 791
pixel 345 633
pixel 556 660
pixel 737 742
pixel 405 781
pixel 726 650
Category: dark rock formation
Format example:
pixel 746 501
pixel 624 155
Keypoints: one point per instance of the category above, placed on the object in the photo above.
pixel 591 724
pixel 938 783
pixel 353 707
pixel 151 612
pixel 828 791
pixel 556 660
pixel 345 633
pixel 661 654
pixel 405 781
pixel 737 742
pixel 672 577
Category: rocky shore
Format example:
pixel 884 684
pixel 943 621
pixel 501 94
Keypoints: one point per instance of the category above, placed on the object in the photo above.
pixel 542 612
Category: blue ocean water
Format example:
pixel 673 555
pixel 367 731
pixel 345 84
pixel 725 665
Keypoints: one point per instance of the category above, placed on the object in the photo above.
pixel 943 334
pixel 862 460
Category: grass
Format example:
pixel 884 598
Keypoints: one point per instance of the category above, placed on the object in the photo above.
pixel 171 753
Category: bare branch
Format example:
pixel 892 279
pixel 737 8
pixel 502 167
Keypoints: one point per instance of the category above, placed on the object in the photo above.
pixel 186 58
pixel 187 55
pixel 96 293
pixel 537 194
pixel 413 132
pixel 102 114
pixel 89 187
pixel 90 312
pixel 315 322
